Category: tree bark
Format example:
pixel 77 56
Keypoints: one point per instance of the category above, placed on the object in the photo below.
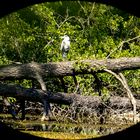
pixel 36 95
pixel 33 69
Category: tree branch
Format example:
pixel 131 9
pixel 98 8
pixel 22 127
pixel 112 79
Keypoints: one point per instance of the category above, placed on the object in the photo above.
pixel 123 81
pixel 121 44
pixel 65 68
pixel 36 95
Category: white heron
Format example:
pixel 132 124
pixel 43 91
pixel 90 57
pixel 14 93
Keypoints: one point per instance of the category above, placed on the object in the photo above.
pixel 65 46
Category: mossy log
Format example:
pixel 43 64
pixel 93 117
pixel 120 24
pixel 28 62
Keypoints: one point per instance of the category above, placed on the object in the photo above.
pixel 66 68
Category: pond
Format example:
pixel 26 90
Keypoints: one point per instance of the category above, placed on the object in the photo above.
pixel 61 130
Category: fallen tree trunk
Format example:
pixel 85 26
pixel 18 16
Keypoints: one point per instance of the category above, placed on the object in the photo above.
pixel 33 69
pixel 87 102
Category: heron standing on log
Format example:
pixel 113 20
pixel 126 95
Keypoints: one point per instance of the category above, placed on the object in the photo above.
pixel 65 46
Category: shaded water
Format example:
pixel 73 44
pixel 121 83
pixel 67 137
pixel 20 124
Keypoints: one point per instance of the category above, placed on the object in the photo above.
pixel 67 130
pixel 83 129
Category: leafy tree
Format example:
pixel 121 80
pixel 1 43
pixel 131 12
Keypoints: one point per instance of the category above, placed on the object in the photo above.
pixel 96 31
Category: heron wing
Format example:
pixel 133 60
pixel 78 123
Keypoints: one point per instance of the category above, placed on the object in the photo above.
pixel 62 45
pixel 67 45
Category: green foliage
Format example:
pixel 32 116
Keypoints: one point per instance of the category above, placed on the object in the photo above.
pixel 96 31
pixel 11 99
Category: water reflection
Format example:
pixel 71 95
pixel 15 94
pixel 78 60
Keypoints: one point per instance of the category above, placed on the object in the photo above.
pixel 80 129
